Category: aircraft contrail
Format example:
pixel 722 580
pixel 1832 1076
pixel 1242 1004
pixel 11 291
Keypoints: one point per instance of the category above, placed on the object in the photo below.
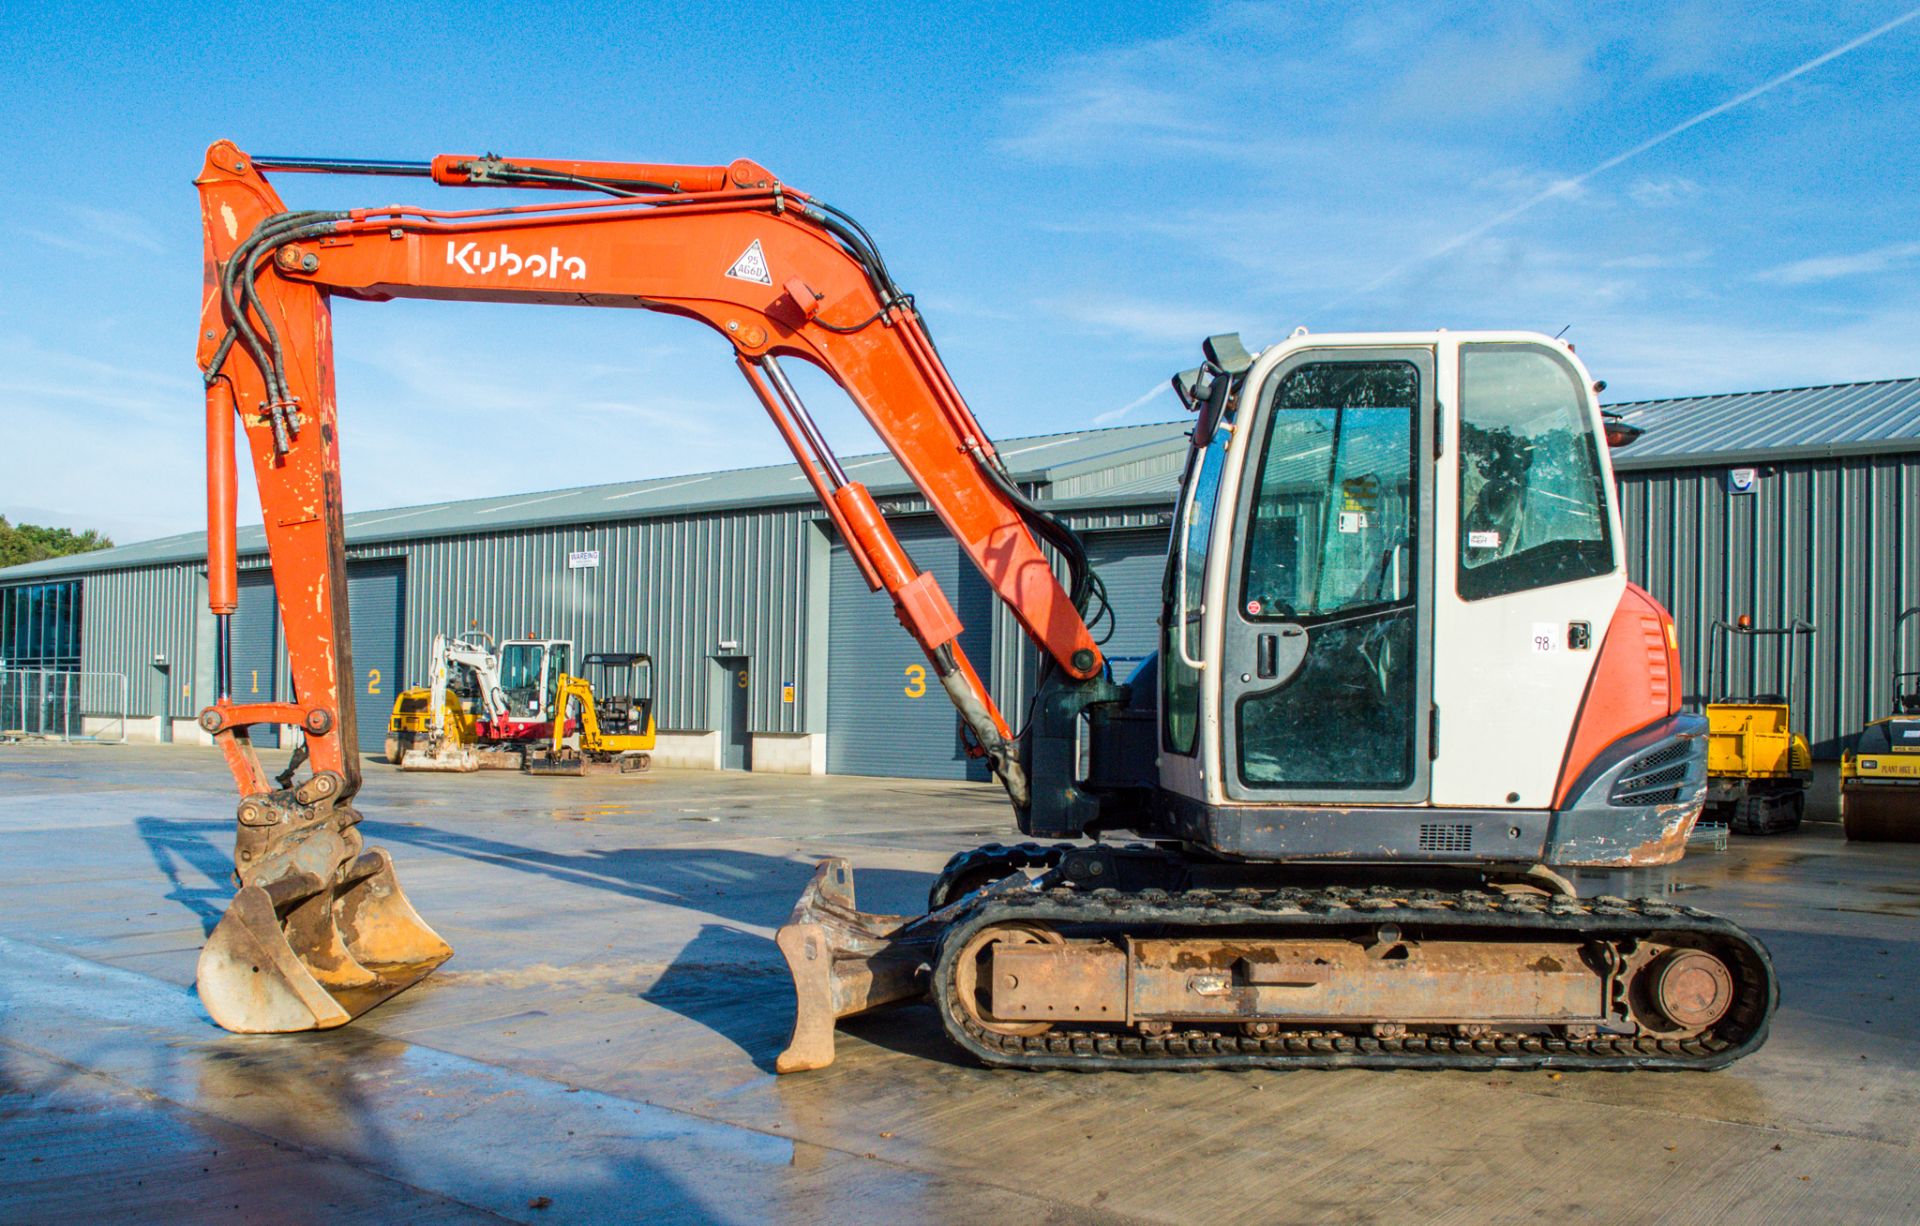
pixel 1563 186
pixel 1112 415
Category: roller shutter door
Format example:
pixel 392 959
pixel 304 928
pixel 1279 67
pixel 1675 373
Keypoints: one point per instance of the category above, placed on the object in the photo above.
pixel 1131 563
pixel 256 648
pixel 886 712
pixel 376 603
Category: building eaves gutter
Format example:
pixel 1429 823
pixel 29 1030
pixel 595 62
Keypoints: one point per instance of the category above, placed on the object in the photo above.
pixel 1736 456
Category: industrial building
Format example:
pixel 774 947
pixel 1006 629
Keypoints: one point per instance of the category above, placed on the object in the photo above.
pixel 771 653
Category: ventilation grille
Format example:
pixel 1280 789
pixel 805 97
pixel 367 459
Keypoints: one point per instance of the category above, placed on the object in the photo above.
pixel 1665 796
pixel 1437 837
pixel 1660 757
pixel 1662 778
pixel 1657 778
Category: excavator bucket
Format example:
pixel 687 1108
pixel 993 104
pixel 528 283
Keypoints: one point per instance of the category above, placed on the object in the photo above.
pixel 845 961
pixel 304 954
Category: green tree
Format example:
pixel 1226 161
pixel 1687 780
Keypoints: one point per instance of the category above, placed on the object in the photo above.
pixel 31 542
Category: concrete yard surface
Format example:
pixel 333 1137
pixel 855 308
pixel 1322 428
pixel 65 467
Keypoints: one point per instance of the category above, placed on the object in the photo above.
pixel 601 1045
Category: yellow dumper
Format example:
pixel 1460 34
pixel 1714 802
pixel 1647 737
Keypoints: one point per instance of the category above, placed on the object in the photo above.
pixel 1758 767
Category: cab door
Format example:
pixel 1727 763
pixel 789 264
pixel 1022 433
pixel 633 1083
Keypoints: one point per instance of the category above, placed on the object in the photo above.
pixel 1531 570
pixel 1326 677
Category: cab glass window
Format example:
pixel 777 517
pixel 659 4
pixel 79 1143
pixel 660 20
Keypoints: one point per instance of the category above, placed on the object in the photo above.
pixel 1533 509
pixel 1332 529
pixel 1331 552
pixel 1181 603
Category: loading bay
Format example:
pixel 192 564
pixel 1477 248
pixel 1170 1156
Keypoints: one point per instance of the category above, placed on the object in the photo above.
pixel 601 1046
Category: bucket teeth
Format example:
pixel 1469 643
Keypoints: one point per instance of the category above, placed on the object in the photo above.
pixel 304 954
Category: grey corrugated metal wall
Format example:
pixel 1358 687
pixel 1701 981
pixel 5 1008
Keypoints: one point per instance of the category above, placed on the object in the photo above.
pixel 1016 661
pixel 1834 541
pixel 127 616
pixel 677 588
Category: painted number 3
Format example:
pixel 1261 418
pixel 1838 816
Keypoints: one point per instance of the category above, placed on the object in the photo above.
pixel 916 681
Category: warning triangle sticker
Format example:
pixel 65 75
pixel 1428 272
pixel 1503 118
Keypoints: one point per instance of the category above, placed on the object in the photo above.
pixel 751 266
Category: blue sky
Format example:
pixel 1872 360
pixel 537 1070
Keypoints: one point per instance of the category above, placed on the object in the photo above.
pixel 1076 194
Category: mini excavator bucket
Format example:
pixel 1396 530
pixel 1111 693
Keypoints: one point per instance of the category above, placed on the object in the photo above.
pixel 303 953
pixel 845 961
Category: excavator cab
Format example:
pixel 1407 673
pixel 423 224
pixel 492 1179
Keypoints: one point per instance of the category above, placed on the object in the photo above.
pixel 1880 772
pixel 622 684
pixel 530 671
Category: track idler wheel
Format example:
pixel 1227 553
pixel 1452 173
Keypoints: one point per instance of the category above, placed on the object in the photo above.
pixel 973 986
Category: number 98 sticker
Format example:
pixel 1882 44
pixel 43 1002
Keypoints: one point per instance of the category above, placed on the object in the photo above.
pixel 1546 638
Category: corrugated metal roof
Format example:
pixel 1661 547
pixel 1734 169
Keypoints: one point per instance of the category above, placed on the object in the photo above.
pixel 1039 458
pixel 1799 422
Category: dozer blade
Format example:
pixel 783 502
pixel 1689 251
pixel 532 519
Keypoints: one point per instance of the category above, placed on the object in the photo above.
pixel 846 961
pixel 553 764
pixel 1881 814
pixel 450 758
pixel 300 954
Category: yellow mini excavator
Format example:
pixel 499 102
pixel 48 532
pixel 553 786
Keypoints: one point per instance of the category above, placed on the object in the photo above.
pixel 1880 775
pixel 615 719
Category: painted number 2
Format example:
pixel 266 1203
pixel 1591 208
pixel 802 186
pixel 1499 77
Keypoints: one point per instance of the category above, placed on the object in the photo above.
pixel 916 681
pixel 373 681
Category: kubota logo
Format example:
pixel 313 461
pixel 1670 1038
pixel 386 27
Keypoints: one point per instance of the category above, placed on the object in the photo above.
pixel 469 257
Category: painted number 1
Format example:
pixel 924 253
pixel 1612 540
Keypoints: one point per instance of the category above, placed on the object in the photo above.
pixel 916 681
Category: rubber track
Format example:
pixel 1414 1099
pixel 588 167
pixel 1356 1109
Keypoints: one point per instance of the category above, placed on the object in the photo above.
pixel 1290 913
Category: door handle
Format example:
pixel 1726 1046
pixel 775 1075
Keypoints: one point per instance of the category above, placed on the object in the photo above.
pixel 1266 656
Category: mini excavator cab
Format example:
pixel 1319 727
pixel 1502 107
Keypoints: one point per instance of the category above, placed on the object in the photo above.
pixel 1395 570
pixel 622 684
pixel 529 673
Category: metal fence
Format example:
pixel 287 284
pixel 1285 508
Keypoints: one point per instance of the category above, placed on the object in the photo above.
pixel 68 706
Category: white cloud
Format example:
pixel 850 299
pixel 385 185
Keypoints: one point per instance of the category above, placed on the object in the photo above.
pixel 1161 322
pixel 98 232
pixel 1661 192
pixel 1836 267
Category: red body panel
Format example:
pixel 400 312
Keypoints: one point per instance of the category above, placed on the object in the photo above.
pixel 1635 681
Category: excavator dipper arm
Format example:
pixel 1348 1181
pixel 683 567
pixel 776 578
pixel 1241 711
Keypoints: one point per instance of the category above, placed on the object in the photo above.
pixel 774 272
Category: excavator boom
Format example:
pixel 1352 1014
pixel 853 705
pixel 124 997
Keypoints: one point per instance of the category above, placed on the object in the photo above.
pixel 775 273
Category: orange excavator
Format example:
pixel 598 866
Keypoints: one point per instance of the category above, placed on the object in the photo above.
pixel 1405 695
